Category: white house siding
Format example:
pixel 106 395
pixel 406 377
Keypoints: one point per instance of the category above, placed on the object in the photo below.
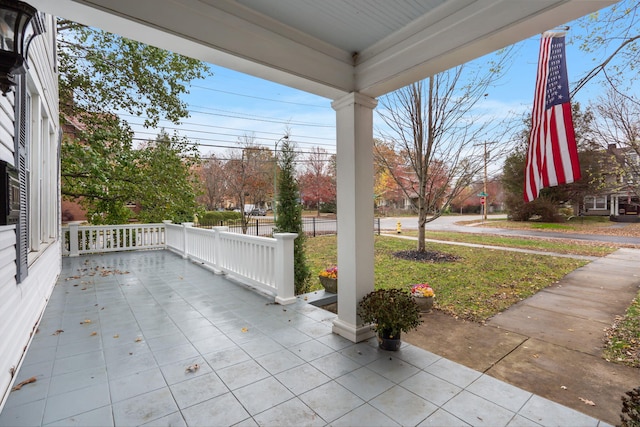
pixel 22 304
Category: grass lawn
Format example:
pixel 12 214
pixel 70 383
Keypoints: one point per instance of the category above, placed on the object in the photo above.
pixel 480 284
pixel 547 245
pixel 623 339
pixel 595 225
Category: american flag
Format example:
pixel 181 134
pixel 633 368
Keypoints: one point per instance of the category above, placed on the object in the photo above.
pixel 552 158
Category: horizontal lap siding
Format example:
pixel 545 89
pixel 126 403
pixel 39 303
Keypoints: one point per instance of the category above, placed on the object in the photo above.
pixel 22 305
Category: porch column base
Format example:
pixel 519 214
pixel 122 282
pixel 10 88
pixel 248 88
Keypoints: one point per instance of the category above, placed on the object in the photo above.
pixel 286 301
pixel 352 332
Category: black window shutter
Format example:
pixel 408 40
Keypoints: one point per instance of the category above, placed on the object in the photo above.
pixel 22 229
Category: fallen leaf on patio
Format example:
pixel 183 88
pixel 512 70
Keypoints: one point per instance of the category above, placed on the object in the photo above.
pixel 535 356
pixel 138 339
pixel 83 289
pixel 587 401
pixel 180 277
pixel 93 334
pixel 85 321
pixel 192 368
pixel 564 387
pixel 58 332
pixel 116 336
pixel 25 382
pixel 570 330
pixel 306 298
pixel 243 330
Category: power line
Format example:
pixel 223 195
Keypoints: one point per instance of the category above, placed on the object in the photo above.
pixel 262 99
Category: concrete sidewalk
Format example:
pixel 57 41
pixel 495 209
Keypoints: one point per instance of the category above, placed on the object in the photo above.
pixel 551 344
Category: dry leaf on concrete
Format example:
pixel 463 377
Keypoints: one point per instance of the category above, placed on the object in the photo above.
pixel 25 382
pixel 192 368
pixel 587 401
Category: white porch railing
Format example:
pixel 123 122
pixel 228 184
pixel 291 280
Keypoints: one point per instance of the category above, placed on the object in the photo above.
pixel 263 262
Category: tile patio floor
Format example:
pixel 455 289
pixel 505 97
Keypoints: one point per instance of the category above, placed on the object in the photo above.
pixel 134 322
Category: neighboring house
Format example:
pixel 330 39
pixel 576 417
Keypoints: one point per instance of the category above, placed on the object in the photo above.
pixel 30 257
pixel 619 199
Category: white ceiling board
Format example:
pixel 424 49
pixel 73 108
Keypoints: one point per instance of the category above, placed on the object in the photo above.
pixel 310 44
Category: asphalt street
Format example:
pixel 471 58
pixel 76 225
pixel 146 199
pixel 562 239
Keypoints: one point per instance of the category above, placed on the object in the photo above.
pixel 450 223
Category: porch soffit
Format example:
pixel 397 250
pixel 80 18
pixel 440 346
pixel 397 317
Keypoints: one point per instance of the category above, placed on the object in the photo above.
pixel 328 47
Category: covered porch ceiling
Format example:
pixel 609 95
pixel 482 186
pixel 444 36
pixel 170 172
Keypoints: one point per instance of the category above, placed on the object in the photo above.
pixel 328 47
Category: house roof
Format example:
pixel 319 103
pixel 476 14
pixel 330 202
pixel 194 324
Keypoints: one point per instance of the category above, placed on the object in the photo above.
pixel 328 47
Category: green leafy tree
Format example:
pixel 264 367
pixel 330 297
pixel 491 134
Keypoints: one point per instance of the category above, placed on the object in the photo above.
pixel 166 180
pixel 289 213
pixel 103 78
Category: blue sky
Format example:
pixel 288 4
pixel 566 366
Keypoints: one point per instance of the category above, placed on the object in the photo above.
pixel 229 105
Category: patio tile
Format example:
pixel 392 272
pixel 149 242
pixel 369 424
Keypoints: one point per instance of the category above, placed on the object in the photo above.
pixel 279 361
pixel 331 401
pixel 241 374
pixel 211 344
pixel 364 416
pixel 76 380
pixel 293 412
pixel 363 353
pixel 499 392
pixel 29 414
pixel 432 388
pixel 546 412
pixel 223 358
pixel 403 406
pixel 335 365
pixel 417 357
pixel 262 395
pixel 144 408
pixel 195 390
pixel 478 411
pixel 394 369
pixel 76 402
pixel 39 355
pixel 365 383
pixel 177 371
pixel 202 333
pixel 302 378
pixel 131 365
pixel 28 393
pixel 171 420
pixel 288 336
pixel 336 342
pixel 520 421
pixel 173 354
pixel 223 410
pixel 78 362
pixel 442 418
pixel 39 370
pixel 311 350
pixel 162 342
pixel 76 348
pixel 124 351
pixel 136 384
pixel 100 417
pixel 452 372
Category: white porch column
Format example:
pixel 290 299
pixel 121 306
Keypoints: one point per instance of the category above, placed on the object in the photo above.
pixel 354 123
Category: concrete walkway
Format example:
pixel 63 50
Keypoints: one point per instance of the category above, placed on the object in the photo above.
pixel 551 344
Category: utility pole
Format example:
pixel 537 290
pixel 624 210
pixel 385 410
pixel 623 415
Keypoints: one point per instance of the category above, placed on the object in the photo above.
pixel 485 181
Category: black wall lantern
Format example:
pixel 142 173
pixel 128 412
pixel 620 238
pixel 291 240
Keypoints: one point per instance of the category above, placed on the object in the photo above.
pixel 19 24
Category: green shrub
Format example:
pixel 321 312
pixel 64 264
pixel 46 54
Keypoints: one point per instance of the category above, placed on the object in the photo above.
pixel 213 218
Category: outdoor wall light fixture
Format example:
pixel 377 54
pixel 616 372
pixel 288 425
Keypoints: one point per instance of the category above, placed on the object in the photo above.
pixel 19 24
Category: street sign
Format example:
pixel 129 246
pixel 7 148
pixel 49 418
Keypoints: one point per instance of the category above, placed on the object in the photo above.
pixel 482 194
